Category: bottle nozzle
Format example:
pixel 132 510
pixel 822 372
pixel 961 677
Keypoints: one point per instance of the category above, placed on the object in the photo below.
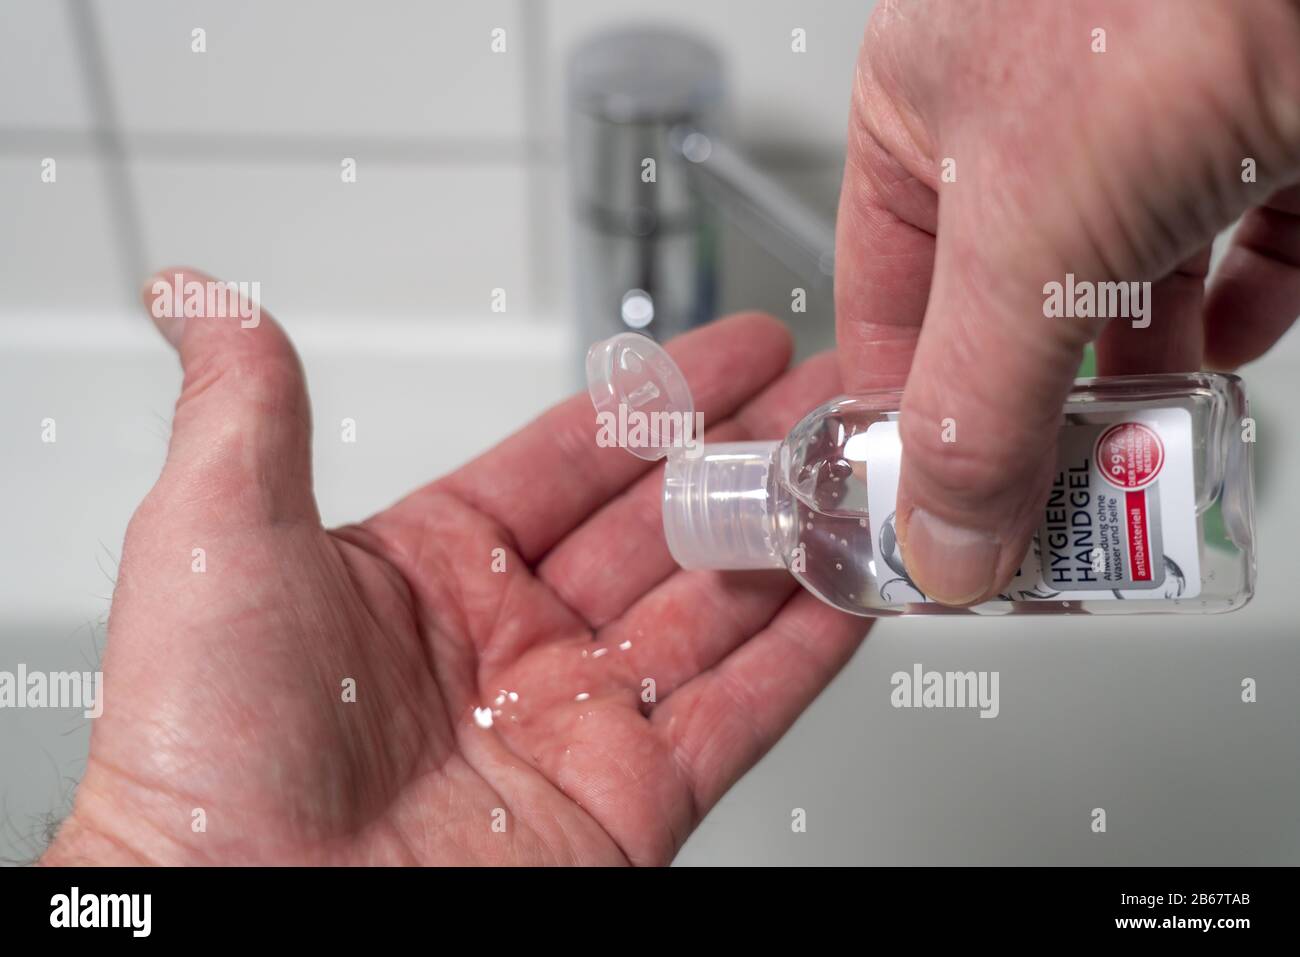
pixel 718 507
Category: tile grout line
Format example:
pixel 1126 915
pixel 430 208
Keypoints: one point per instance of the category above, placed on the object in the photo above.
pixel 124 208
pixel 253 148
pixel 232 147
pixel 541 262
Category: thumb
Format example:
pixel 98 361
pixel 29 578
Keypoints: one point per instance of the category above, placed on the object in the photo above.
pixel 980 416
pixel 241 432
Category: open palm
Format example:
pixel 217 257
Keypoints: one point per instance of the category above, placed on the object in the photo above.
pixel 504 667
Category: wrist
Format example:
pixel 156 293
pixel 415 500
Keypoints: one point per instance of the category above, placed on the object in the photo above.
pixel 78 845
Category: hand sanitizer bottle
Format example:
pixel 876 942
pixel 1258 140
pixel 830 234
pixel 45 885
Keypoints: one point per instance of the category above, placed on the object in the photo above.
pixel 1150 509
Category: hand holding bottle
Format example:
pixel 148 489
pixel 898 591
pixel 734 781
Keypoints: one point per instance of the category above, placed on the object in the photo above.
pixel 998 147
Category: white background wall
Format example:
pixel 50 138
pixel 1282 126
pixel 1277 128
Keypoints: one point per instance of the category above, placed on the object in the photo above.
pixel 230 160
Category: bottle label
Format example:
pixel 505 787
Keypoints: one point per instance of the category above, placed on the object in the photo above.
pixel 1119 522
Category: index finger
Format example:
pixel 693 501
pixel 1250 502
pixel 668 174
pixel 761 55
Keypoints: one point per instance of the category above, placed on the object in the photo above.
pixel 551 475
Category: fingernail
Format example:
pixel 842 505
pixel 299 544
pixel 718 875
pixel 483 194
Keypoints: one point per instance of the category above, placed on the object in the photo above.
pixel 951 564
pixel 161 298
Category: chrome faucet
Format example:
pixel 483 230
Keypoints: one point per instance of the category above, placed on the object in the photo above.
pixel 649 177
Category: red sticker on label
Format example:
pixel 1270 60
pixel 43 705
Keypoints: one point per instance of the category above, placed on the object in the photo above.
pixel 1129 455
pixel 1139 536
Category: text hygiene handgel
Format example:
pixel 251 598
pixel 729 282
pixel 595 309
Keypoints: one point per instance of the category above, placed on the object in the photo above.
pixel 1150 508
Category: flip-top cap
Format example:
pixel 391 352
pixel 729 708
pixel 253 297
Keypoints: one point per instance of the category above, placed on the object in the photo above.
pixel 717 510
pixel 643 391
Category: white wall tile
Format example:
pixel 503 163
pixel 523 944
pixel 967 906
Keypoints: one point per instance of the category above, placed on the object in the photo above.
pixel 422 241
pixel 40 81
pixel 326 67
pixel 58 251
pixel 775 94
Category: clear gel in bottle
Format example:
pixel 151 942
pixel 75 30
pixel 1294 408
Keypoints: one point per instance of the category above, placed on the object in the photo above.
pixel 1150 510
